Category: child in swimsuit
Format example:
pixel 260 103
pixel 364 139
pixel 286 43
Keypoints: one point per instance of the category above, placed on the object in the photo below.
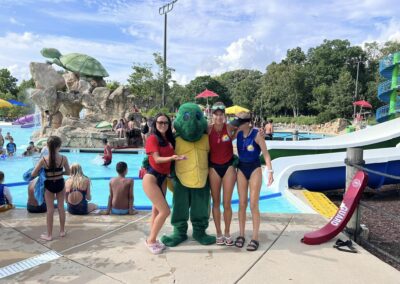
pixel 5 195
pixel 250 143
pixel 221 171
pixel 32 205
pixel 55 167
pixel 120 201
pixel 160 150
pixel 78 193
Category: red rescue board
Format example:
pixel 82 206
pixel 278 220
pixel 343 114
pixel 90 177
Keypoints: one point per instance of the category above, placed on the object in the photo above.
pixel 344 213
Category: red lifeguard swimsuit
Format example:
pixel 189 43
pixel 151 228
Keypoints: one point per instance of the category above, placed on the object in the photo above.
pixel 221 149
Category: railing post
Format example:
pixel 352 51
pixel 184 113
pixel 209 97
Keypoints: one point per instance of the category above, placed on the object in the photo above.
pixel 295 135
pixel 354 156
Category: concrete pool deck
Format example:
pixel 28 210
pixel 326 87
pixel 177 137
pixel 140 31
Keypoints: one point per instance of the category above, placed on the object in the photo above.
pixel 110 249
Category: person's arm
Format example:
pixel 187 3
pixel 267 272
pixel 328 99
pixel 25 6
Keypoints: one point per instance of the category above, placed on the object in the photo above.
pixel 130 200
pixel 88 192
pixel 7 194
pixel 232 131
pixel 67 170
pixel 159 160
pixel 37 168
pixel 261 142
pixel 110 197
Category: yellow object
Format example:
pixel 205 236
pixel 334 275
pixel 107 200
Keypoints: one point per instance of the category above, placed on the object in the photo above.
pixel 193 171
pixel 5 104
pixel 235 109
pixel 321 203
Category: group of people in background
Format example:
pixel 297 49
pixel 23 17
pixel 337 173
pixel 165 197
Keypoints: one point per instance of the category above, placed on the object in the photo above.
pixel 222 174
pixel 11 147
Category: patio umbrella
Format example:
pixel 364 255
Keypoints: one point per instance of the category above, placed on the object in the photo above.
pixel 5 104
pixel 16 103
pixel 235 109
pixel 104 125
pixel 363 104
pixel 206 94
pixel 41 142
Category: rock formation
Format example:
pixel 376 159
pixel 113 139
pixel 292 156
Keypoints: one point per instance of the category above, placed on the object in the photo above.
pixel 64 96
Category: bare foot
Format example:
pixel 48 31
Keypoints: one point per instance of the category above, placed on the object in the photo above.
pixel 46 237
pixel 133 212
pixel 63 234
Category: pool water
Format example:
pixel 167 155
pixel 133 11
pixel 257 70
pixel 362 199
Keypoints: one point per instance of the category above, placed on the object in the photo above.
pixel 14 167
pixel 302 136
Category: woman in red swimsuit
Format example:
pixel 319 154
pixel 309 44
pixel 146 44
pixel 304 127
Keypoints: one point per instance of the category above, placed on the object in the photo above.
pixel 221 170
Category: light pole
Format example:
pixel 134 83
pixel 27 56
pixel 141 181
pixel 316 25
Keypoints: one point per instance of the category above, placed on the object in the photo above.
pixel 164 10
pixel 355 92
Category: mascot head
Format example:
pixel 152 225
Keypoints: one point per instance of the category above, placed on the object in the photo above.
pixel 190 123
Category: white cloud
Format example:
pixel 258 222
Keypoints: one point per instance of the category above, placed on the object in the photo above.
pixel 15 22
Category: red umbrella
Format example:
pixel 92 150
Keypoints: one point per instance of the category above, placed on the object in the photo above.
pixel 363 104
pixel 206 94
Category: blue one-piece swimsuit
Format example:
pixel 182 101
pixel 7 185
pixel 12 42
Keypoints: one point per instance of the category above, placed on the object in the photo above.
pixel 249 153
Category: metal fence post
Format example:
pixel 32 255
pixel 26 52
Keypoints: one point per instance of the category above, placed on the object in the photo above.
pixel 354 156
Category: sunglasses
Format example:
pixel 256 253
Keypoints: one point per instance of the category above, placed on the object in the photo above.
pixel 162 122
pixel 218 107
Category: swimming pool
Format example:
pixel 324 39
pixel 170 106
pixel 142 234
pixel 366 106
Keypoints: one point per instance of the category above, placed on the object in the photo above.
pixel 302 136
pixel 13 168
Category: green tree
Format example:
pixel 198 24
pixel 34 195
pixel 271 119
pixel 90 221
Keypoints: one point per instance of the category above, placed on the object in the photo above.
pixel 8 85
pixel 199 84
pixel 342 92
pixel 113 85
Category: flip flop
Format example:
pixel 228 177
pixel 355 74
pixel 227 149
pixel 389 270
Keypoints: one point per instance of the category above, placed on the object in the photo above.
pixel 239 242
pixel 340 245
pixel 253 245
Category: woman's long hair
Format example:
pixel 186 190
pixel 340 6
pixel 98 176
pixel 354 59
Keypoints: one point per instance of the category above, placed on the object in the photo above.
pixel 53 142
pixel 77 176
pixel 168 134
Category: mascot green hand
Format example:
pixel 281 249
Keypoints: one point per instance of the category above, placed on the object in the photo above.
pixel 191 189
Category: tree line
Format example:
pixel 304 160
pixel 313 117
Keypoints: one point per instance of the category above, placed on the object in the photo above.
pixel 318 82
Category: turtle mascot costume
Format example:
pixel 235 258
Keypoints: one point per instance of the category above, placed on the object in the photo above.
pixel 191 189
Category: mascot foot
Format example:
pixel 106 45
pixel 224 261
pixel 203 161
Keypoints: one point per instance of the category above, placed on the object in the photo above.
pixel 173 240
pixel 203 238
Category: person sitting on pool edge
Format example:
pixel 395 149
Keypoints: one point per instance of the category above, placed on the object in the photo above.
pixel 5 195
pixel 107 153
pixel 77 192
pixel 32 205
pixel 120 201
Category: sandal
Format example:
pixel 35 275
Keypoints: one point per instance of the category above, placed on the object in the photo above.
pixel 339 245
pixel 239 242
pixel 220 240
pixel 154 248
pixel 228 241
pixel 253 245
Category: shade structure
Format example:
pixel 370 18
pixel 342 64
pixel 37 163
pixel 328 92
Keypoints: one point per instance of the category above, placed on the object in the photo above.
pixel 206 94
pixel 104 125
pixel 235 109
pixel 5 104
pixel 16 103
pixel 363 104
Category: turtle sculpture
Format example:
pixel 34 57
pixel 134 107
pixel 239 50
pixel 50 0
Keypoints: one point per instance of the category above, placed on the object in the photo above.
pixel 81 64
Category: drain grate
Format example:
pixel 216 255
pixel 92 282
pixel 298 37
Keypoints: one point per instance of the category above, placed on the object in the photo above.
pixel 28 263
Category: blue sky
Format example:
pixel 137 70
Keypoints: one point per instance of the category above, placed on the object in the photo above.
pixel 204 37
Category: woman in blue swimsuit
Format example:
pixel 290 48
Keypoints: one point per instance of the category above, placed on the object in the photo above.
pixel 250 143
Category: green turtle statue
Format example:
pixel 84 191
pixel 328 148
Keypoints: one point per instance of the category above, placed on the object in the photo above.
pixel 81 64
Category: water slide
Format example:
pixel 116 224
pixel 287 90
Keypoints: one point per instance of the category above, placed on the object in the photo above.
pixel 27 121
pixel 321 172
pixel 382 135
pixel 343 215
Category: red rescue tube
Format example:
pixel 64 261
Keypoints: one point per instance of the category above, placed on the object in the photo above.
pixel 344 213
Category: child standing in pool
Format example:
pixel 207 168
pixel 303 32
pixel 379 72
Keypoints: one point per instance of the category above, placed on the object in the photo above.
pixel 120 201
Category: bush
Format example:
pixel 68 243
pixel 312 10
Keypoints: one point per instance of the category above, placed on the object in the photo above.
pixel 300 120
pixel 324 117
pixel 155 110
